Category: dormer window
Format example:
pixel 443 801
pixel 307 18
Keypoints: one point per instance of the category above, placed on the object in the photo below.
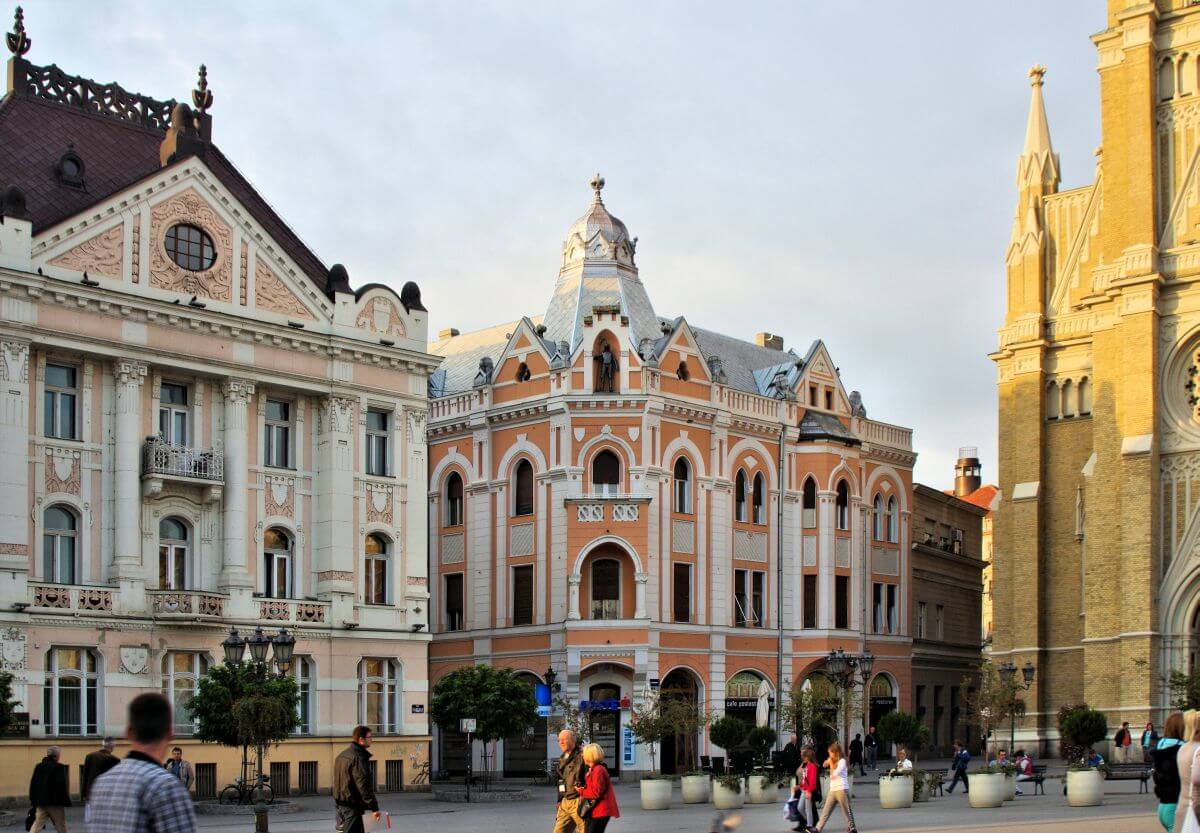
pixel 190 247
pixel 682 372
pixel 523 373
pixel 70 169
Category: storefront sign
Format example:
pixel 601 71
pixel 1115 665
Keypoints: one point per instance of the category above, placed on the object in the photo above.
pixel 19 727
pixel 599 705
pixel 627 747
pixel 745 702
pixel 883 703
pixel 418 708
pixel 541 696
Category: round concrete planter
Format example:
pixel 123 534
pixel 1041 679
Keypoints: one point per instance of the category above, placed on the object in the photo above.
pixel 987 789
pixel 1010 787
pixel 762 790
pixel 895 792
pixel 656 794
pixel 727 799
pixel 1085 788
pixel 694 789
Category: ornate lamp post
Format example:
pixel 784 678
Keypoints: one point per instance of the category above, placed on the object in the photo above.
pixel 1008 673
pixel 845 672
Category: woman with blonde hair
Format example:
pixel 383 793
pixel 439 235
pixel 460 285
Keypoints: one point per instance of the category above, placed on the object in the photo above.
pixel 597 803
pixel 1183 760
pixel 839 789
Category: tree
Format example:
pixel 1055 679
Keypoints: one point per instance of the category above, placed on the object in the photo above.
pixel 728 732
pixel 655 717
pixel 1082 727
pixel 904 729
pixel 993 701
pixel 8 706
pixel 1185 690
pixel 501 704
pixel 760 739
pixel 804 711
pixel 245 705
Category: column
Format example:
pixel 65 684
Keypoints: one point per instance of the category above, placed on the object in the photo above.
pixel 235 577
pixel 639 595
pixel 573 581
pixel 128 377
pixel 333 558
pixel 15 496
pixel 825 557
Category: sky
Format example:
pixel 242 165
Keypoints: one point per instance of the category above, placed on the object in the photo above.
pixel 843 171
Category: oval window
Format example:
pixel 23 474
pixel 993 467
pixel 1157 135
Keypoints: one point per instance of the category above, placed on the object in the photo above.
pixel 190 248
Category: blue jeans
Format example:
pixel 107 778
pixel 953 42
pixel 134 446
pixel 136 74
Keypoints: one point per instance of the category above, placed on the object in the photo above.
pixel 960 774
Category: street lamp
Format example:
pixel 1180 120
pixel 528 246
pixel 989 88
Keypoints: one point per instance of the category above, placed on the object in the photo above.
pixel 845 671
pixel 1008 674
pixel 551 675
pixel 282 646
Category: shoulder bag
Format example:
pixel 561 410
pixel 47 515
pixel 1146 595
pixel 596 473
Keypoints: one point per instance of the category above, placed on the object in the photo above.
pixel 588 805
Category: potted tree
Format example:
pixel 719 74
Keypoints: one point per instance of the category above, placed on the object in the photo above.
pixel 988 786
pixel 688 720
pixel 650 722
pixel 728 733
pixel 1082 728
pixel 900 787
pixel 760 739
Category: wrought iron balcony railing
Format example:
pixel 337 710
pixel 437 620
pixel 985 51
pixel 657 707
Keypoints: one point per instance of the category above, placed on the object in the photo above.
pixel 161 459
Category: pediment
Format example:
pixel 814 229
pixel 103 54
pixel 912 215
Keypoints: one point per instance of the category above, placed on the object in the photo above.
pixel 523 341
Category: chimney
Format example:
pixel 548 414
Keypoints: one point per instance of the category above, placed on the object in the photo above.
pixel 449 332
pixel 768 340
pixel 967 472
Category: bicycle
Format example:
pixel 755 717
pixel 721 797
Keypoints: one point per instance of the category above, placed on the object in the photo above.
pixel 546 774
pixel 422 773
pixel 242 791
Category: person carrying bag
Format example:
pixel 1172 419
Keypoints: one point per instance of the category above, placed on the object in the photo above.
pixel 597 803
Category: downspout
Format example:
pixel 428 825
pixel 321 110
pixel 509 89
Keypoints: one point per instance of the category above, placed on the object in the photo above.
pixel 779 586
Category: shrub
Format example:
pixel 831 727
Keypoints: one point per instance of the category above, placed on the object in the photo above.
pixel 728 732
pixel 904 729
pixel 1083 728
pixel 760 739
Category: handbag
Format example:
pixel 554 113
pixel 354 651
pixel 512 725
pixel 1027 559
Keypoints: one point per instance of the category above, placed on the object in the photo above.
pixel 588 805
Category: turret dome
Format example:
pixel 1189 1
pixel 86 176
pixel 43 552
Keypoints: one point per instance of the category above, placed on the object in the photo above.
pixel 598 235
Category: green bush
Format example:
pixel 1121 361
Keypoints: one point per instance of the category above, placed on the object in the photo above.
pixel 1083 728
pixel 728 732
pixel 760 739
pixel 904 729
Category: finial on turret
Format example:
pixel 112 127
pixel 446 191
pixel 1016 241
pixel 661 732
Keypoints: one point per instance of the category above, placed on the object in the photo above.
pixel 597 184
pixel 1036 73
pixel 202 96
pixel 18 41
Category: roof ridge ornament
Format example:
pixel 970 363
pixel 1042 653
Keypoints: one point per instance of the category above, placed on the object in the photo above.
pixel 1036 73
pixel 202 96
pixel 18 41
pixel 597 183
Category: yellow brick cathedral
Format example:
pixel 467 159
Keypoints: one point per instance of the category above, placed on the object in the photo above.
pixel 1097 553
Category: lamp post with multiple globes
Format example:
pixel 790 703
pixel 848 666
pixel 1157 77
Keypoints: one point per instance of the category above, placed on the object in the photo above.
pixel 846 671
pixel 1008 673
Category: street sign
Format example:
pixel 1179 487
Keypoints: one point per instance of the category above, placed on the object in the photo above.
pixel 466 725
pixel 418 708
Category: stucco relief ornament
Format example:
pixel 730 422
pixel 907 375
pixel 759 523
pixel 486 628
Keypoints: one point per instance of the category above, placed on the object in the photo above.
pixel 134 658
pixel 215 282
pixel 381 316
pixel 12 653
pixel 270 293
pixel 1191 384
pixel 99 255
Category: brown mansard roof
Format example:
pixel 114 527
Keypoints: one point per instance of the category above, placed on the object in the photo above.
pixel 117 150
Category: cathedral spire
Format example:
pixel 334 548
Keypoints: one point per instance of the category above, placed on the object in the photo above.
pixel 1038 163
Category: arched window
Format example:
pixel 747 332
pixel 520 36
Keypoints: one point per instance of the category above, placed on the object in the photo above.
pixel 172 554
pixel 893 520
pixel 1186 75
pixel 277 564
pixel 523 489
pixel 843 505
pixel 606 473
pixel 180 672
pixel 739 496
pixel 1068 399
pixel 379 695
pixel 523 372
pixel 60 545
pixel 683 486
pixel 606 589
pixel 877 517
pixel 760 499
pixel 454 499
pixel 305 675
pixel 375 570
pixel 1166 80
pixel 1053 402
pixel 1085 396
pixel 71 693
pixel 809 503
pixel 682 372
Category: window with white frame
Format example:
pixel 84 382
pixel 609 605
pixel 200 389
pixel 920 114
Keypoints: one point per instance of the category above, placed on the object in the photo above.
pixel 378 432
pixel 277 434
pixel 173 545
pixel 683 486
pixel 606 473
pixel 893 609
pixel 71 693
pixel 842 505
pixel 379 695
pixel 748 587
pixel 454 499
pixel 877 518
pixel 877 607
pixel 893 520
pixel 277 564
pixel 181 671
pixel 173 413
pixel 60 419
pixel 523 488
pixel 739 497
pixel 375 570
pixel 922 615
pixel 939 622
pixel 760 499
pixel 809 504
pixel 60 545
pixel 606 589
pixel 304 673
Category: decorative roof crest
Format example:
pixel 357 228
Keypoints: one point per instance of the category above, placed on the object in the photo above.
pixel 597 184
pixel 1036 73
pixel 18 41
pixel 202 96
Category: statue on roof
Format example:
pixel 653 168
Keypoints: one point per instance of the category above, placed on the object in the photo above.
pixel 606 370
pixel 484 376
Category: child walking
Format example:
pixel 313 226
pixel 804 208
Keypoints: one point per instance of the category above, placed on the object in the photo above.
pixel 839 790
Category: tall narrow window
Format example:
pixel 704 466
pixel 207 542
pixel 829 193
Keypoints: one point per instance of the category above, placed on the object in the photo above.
pixel 828 399
pixel 1053 401
pixel 59 545
pixel 454 601
pixel 683 486
pixel 523 489
pixel 810 601
pixel 760 499
pixel 739 497
pixel 454 499
pixel 60 403
pixel 379 695
pixel 606 589
pixel 877 607
pixel 71 693
pixel 303 673
pixel 277 564
pixel 939 622
pixel 1068 399
pixel 841 607
pixel 893 609
pixel 181 670
pixel 809 503
pixel 173 413
pixel 921 620
pixel 758 580
pixel 741 603
pixel 375 570
pixel 606 473
pixel 522 595
pixel 277 434
pixel 1085 394
pixel 877 518
pixel 843 505
pixel 172 554
pixel 378 431
pixel 893 520
pixel 681 592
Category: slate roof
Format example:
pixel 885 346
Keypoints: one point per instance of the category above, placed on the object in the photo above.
pixel 461 355
pixel 741 358
pixel 35 133
pixel 576 296
pixel 818 426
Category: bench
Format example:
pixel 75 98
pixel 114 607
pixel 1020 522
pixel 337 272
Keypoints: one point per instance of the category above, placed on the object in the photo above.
pixel 935 781
pixel 1129 772
pixel 1038 779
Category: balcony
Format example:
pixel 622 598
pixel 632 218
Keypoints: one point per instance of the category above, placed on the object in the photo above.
pixel 186 603
pixel 162 461
pixel 73 597
pixel 293 611
pixel 591 509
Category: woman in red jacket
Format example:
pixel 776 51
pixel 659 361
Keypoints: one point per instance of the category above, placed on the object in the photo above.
pixel 597 786
pixel 807 776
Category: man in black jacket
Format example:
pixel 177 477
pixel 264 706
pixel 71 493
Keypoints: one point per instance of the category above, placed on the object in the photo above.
pixel 570 775
pixel 353 788
pixel 48 793
pixel 96 764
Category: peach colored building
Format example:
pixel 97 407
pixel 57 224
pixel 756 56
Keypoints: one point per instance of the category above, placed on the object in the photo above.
pixel 201 426
pixel 630 500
